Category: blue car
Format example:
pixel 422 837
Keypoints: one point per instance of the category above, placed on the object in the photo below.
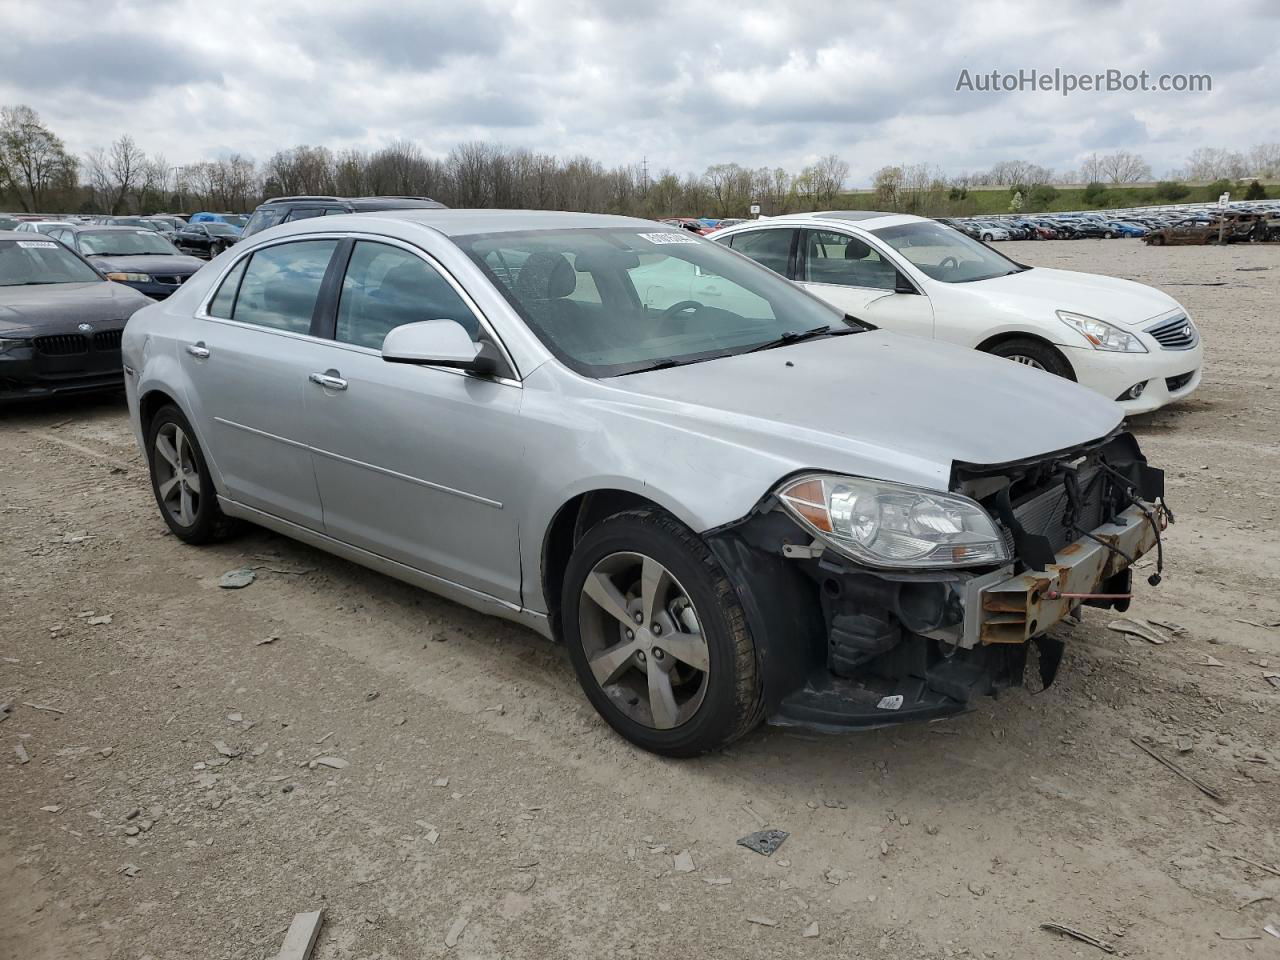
pixel 231 220
pixel 1123 228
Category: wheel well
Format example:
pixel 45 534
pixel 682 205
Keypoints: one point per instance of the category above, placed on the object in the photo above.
pixel 986 346
pixel 568 526
pixel 149 404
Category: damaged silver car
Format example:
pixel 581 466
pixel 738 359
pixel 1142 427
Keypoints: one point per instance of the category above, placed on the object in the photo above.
pixel 729 500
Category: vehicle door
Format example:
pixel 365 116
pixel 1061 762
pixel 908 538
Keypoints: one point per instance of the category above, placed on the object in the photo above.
pixel 418 464
pixel 860 279
pixel 248 367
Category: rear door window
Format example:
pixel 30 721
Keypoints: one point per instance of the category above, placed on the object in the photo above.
pixel 769 248
pixel 281 285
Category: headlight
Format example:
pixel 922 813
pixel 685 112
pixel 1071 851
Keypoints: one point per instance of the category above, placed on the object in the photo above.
pixel 890 525
pixel 11 344
pixel 129 277
pixel 1103 335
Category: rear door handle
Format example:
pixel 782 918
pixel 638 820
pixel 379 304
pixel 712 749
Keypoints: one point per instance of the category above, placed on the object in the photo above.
pixel 198 350
pixel 329 380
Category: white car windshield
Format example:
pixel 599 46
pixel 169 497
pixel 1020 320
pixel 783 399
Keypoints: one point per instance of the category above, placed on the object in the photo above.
pixel 613 301
pixel 946 254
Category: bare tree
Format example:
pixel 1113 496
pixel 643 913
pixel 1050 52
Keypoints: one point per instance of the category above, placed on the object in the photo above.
pixel 1214 163
pixel 1264 160
pixel 116 171
pixel 1125 167
pixel 33 160
pixel 1091 169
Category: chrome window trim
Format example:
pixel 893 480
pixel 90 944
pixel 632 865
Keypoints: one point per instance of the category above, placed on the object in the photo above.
pixel 202 312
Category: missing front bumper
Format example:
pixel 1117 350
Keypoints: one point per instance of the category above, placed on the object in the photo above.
pixel 1003 608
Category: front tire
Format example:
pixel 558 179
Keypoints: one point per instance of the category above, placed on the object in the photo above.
pixel 180 480
pixel 657 636
pixel 1036 354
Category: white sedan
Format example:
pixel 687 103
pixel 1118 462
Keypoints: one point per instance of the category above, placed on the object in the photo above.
pixel 913 275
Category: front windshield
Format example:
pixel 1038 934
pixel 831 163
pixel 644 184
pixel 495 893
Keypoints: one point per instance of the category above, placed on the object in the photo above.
pixel 221 229
pixel 615 301
pixel 946 254
pixel 28 262
pixel 125 243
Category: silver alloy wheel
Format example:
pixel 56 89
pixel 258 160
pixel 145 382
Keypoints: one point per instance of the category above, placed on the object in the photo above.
pixel 643 640
pixel 1026 361
pixel 177 476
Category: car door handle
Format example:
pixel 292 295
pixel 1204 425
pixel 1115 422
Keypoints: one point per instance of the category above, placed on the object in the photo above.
pixel 329 380
pixel 198 350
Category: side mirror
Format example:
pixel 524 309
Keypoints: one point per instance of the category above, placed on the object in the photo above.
pixel 902 285
pixel 439 343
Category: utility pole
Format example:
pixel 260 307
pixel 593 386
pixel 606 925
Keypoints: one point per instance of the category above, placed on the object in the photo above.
pixel 644 176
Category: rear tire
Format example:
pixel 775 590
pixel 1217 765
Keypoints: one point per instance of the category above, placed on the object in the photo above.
pixel 180 480
pixel 1036 354
pixel 649 569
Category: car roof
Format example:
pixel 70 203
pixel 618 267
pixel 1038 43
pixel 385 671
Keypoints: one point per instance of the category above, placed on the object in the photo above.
pixel 104 227
pixel 867 219
pixel 457 223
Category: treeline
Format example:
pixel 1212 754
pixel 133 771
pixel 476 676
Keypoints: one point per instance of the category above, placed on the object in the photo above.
pixel 38 174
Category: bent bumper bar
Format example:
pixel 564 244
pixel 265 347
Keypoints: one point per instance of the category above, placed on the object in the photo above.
pixel 1000 608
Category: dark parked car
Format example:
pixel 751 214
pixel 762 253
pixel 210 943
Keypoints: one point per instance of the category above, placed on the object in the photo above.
pixel 60 320
pixel 280 210
pixel 136 256
pixel 206 240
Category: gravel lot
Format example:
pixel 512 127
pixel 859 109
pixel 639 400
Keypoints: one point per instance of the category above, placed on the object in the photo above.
pixel 480 789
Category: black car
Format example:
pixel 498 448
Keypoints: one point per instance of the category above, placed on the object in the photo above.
pixel 206 240
pixel 136 256
pixel 60 320
pixel 280 210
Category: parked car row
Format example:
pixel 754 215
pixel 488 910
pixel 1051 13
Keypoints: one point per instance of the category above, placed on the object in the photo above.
pixel 1257 221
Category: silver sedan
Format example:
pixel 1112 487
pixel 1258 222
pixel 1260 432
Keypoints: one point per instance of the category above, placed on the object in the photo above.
pixel 729 500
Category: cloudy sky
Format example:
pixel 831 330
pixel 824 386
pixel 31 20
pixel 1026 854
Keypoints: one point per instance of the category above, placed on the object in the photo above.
pixel 685 83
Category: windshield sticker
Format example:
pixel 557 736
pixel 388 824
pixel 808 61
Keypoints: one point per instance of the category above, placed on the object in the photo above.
pixel 37 245
pixel 668 237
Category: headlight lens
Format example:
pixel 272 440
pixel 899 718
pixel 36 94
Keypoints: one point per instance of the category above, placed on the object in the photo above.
pixel 1102 335
pixel 129 277
pixel 11 344
pixel 890 525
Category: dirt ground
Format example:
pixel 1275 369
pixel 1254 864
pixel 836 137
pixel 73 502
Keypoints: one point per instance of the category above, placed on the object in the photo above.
pixel 168 810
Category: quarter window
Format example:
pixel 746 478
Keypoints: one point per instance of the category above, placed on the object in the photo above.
pixel 386 287
pixel 225 300
pixel 846 261
pixel 769 248
pixel 282 283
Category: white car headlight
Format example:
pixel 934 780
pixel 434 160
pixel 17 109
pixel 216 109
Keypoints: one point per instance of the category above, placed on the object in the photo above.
pixel 1102 335
pixel 128 277
pixel 890 525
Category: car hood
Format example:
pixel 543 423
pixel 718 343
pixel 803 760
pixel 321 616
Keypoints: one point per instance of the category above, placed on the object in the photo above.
pixel 43 307
pixel 1106 298
pixel 167 266
pixel 874 404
